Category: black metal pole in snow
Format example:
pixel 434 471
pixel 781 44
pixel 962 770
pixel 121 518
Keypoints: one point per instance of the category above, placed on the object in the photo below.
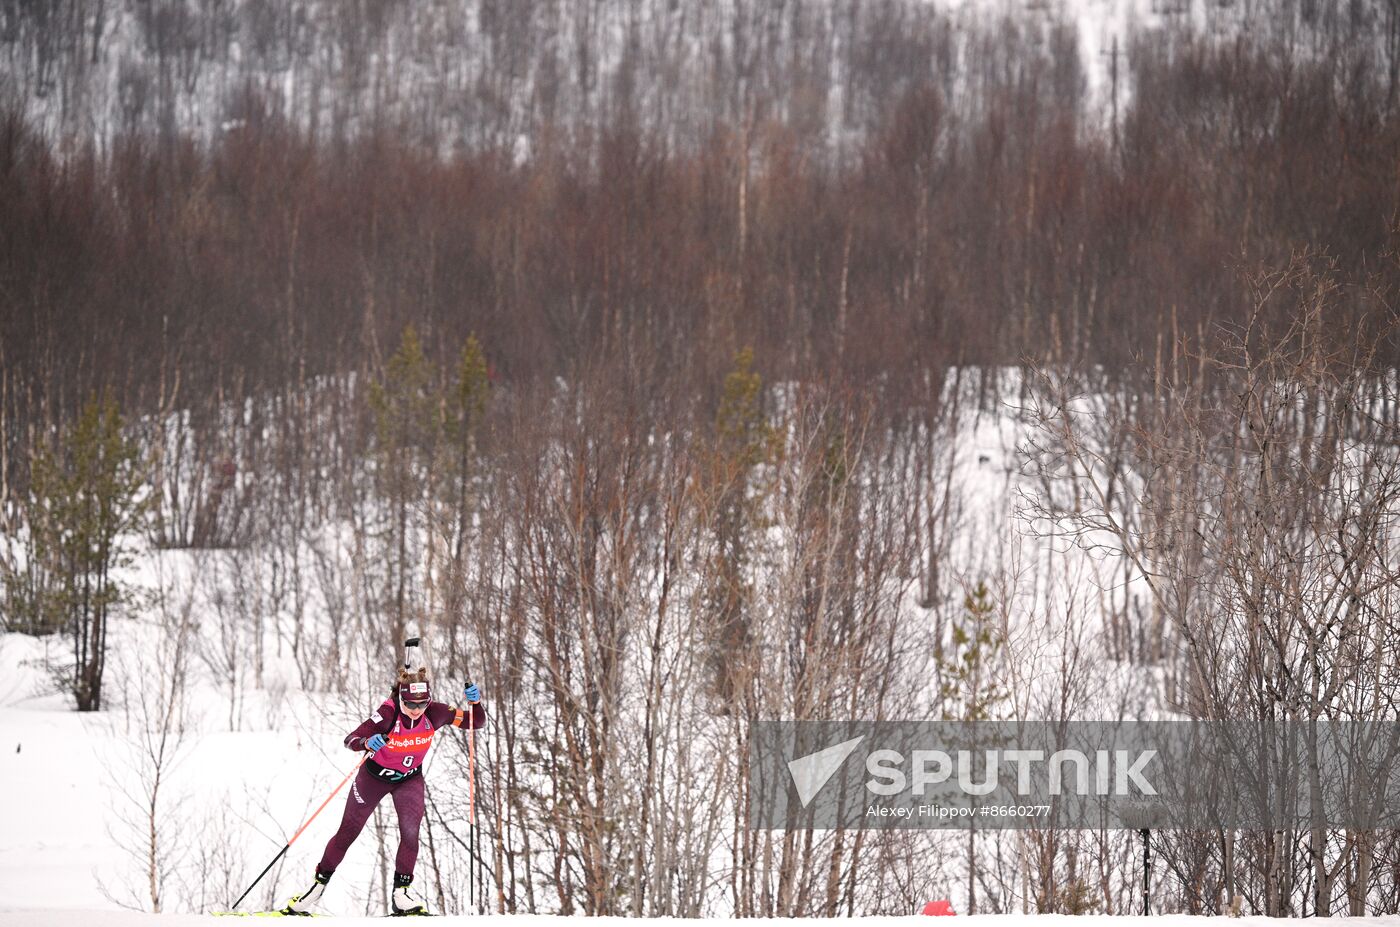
pixel 1146 869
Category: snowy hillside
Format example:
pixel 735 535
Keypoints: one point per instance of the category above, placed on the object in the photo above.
pixel 186 790
pixel 243 765
pixel 459 75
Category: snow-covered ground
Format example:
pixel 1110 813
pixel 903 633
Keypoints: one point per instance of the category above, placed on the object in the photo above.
pixel 79 918
pixel 77 800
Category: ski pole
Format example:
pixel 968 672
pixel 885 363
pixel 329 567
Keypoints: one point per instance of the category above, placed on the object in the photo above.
pixel 471 802
pixel 282 852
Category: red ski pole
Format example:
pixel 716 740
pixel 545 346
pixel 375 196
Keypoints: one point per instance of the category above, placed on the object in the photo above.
pixel 282 852
pixel 471 804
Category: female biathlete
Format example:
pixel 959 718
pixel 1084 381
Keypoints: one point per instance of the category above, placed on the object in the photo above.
pixel 399 735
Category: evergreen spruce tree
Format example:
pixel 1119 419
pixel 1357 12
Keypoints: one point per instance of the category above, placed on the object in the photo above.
pixel 465 410
pixel 407 408
pixel 970 690
pixel 745 441
pixel 86 502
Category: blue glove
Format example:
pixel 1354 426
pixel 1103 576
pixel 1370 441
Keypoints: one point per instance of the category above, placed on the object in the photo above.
pixel 375 742
pixel 472 694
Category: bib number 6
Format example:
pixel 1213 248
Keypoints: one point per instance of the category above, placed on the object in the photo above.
pixel 408 760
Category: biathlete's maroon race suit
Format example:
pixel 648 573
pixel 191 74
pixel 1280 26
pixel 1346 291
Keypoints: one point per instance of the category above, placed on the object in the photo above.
pixel 395 769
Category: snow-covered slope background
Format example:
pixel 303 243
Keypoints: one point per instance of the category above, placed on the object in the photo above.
pixel 462 76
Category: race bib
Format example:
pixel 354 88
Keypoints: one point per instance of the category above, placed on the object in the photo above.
pixel 405 751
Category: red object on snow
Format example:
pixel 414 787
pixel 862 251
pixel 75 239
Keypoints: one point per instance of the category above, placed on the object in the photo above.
pixel 941 907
